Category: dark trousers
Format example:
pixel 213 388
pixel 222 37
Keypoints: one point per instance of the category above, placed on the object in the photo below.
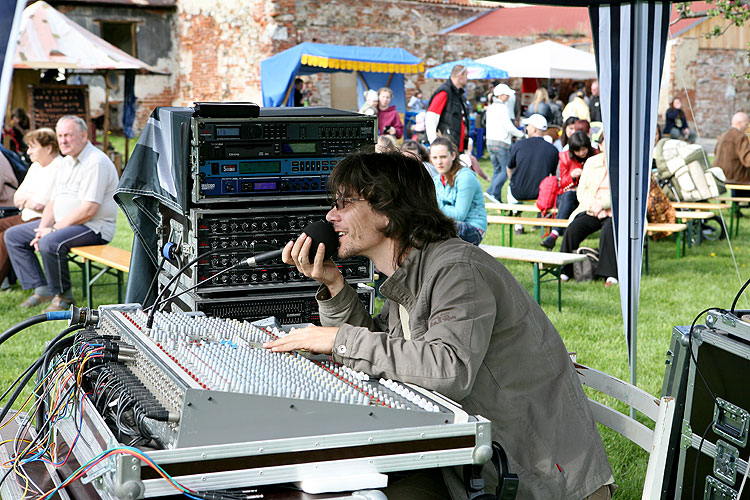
pixel 583 226
pixel 5 223
pixel 53 248
pixel 566 203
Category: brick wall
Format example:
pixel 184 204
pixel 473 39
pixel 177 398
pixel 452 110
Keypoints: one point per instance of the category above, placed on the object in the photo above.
pixel 710 81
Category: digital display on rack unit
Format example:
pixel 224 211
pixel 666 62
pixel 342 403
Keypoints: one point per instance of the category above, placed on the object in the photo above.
pixel 227 131
pixel 264 186
pixel 260 167
pixel 299 147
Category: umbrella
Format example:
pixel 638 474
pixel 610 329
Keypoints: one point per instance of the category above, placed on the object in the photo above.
pixel 476 70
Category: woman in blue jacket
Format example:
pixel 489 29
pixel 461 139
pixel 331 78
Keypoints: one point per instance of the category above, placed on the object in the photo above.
pixel 459 193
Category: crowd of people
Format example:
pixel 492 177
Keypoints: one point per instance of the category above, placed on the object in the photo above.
pixel 526 145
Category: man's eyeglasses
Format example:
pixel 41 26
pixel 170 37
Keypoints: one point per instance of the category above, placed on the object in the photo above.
pixel 341 202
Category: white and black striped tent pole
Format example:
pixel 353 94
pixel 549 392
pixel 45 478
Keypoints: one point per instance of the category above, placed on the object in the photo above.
pixel 629 40
pixel 10 22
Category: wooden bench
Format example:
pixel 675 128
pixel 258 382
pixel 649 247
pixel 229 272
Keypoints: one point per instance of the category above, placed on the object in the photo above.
pixel 700 205
pixel 677 228
pixel 693 219
pixel 107 260
pixel 734 214
pixel 510 221
pixel 544 263
pixel 507 208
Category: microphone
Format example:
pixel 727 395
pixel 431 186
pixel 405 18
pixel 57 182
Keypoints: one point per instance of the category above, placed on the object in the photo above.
pixel 320 232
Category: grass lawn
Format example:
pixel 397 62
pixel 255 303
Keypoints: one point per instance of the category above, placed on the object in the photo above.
pixel 590 322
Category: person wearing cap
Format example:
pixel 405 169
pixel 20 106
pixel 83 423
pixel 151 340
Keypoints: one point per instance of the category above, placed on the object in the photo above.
pixel 531 160
pixel 577 107
pixel 370 107
pixel 448 113
pixel 500 131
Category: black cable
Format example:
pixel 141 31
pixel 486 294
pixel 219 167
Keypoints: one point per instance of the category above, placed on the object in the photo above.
pixel 154 280
pixel 692 354
pixel 150 320
pixel 697 456
pixel 737 297
pixel 34 367
pixel 175 295
pixel 22 325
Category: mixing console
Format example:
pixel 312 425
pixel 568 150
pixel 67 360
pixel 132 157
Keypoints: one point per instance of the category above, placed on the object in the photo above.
pixel 213 374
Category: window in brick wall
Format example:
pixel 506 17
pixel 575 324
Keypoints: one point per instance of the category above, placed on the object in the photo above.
pixel 121 34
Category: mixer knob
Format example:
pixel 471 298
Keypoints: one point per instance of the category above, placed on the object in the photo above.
pixel 245 226
pixel 285 186
pixel 234 226
pixel 264 277
pixel 264 226
pixel 254 277
pixel 274 225
pixel 224 227
pixel 254 226
pixel 274 276
pixel 256 131
pixel 245 277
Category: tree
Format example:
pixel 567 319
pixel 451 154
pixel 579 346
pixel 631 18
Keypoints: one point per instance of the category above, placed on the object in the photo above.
pixel 732 12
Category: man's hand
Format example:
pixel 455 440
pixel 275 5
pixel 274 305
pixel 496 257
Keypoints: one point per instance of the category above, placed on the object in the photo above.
pixel 39 233
pixel 318 339
pixel 322 270
pixel 576 172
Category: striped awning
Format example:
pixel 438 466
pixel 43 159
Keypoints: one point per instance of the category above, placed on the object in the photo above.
pixel 354 65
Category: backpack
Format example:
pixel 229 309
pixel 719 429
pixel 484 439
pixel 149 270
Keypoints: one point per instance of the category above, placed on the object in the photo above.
pixel 547 197
pixel 684 172
pixel 585 269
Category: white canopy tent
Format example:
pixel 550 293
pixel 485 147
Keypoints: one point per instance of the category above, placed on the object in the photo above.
pixel 545 60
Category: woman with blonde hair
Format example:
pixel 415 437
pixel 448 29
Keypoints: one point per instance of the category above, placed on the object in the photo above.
pixel 36 189
pixel 540 105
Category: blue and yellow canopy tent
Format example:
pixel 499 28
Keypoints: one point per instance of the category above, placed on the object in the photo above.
pixel 375 67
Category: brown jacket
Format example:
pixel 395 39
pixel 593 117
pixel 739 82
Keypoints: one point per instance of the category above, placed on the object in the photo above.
pixel 478 337
pixel 733 156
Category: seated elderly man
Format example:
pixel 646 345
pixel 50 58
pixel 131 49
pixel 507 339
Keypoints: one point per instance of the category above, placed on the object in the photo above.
pixel 733 153
pixel 81 212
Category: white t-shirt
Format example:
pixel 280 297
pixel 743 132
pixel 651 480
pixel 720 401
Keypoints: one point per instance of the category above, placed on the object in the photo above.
pixel 498 124
pixel 90 177
pixel 38 185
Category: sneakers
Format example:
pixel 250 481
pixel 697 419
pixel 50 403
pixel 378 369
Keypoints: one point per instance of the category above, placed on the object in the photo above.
pixel 549 242
pixel 611 281
pixel 59 303
pixel 518 229
pixel 564 277
pixel 35 300
pixel 491 198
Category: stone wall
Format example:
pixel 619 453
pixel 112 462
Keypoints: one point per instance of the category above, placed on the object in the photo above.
pixel 709 83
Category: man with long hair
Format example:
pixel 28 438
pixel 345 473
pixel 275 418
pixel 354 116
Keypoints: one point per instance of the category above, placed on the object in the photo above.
pixel 455 321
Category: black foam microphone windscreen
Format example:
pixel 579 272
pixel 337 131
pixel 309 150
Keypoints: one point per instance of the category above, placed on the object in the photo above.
pixel 322 232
